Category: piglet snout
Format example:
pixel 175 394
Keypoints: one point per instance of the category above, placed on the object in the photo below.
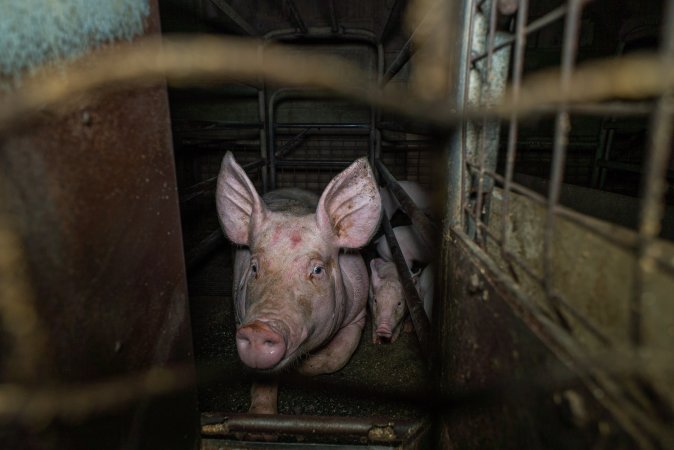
pixel 259 346
pixel 384 330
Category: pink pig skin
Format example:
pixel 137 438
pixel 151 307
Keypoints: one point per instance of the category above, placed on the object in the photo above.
pixel 414 190
pixel 296 293
pixel 410 243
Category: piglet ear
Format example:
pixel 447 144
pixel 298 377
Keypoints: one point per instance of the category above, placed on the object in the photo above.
pixel 375 268
pixel 350 207
pixel 239 206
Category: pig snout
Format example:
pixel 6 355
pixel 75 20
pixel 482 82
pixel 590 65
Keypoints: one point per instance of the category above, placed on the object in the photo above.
pixel 259 346
pixel 384 330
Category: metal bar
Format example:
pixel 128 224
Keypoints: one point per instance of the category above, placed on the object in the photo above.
pixel 204 249
pixel 533 27
pixel 481 149
pixel 392 20
pixel 334 25
pixel 518 64
pixel 295 16
pixel 562 126
pixel 624 240
pixel 235 17
pixel 415 306
pixel 399 62
pixel 313 163
pixel 427 230
pixel 605 390
pixel 318 126
pixel 653 182
pixel 208 186
pixel 292 144
pixel 345 34
pixel 374 429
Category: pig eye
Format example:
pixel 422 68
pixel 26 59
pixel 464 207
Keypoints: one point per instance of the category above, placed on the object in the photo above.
pixel 375 299
pixel 317 270
pixel 400 303
pixel 253 267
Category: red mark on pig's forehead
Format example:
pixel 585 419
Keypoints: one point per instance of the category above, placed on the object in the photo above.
pixel 295 238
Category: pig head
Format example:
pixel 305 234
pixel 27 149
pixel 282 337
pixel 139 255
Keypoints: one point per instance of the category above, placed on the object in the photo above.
pixel 296 294
pixel 387 301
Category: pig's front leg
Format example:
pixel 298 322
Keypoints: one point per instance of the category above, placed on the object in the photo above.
pixel 264 397
pixel 337 353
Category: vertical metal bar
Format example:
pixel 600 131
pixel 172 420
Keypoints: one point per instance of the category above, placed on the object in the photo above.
pixel 262 113
pixel 654 182
pixel 562 126
pixel 334 25
pixel 483 138
pixel 271 142
pixel 518 63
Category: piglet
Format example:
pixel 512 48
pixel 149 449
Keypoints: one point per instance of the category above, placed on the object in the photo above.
pixel 299 300
pixel 412 246
pixel 414 190
pixel 387 301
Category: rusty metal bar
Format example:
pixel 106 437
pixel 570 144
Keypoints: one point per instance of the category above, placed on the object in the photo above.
pixel 534 26
pixel 427 230
pixel 295 16
pixel 562 126
pixel 235 17
pixel 518 64
pixel 373 429
pixel 654 182
pixel 415 306
pixel 292 143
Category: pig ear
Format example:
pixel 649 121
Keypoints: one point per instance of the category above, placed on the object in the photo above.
pixel 240 208
pixel 375 265
pixel 350 207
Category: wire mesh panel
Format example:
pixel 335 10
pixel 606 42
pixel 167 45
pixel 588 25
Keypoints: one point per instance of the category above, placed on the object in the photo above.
pixel 588 287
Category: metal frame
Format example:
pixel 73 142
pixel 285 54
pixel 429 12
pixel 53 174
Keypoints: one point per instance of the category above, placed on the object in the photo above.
pixel 467 225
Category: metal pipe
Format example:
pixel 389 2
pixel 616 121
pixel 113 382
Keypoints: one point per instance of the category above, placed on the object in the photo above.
pixel 392 20
pixel 345 34
pixel 415 306
pixel 375 430
pixel 653 182
pixel 399 62
pixel 199 253
pixel 292 144
pixel 313 163
pixel 235 17
pixel 518 64
pixel 318 126
pixel 295 16
pixel 208 186
pixel 334 25
pixel 427 230
pixel 562 127
pixel 534 26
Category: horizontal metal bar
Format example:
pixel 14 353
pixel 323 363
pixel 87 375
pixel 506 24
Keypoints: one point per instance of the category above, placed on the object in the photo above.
pixel 374 429
pixel 533 27
pixel 312 163
pixel 319 33
pixel 415 306
pixel 323 125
